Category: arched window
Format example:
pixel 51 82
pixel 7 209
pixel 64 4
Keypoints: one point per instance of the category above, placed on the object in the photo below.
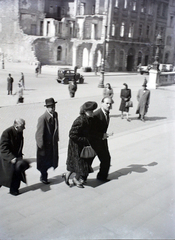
pixel 59 50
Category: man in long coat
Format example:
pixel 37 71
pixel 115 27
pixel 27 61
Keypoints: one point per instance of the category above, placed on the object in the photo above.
pixel 9 84
pixel 47 137
pixel 99 136
pixel 143 98
pixel 12 167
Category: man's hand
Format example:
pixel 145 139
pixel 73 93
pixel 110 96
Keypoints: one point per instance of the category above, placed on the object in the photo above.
pixel 106 135
pixel 13 160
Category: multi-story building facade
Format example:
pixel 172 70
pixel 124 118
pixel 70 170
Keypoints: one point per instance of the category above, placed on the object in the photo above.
pixel 76 32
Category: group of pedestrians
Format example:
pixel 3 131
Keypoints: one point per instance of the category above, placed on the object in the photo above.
pixel 143 98
pixel 88 129
pixel 20 87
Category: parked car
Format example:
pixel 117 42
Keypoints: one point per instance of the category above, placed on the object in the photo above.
pixel 166 67
pixel 65 75
pixel 145 69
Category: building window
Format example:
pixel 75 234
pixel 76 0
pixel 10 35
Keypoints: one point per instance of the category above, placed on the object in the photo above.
pixel 59 50
pixel 125 3
pixel 171 21
pixel 147 30
pixel 164 10
pixel 140 29
pixel 116 3
pixel 113 30
pixel 168 40
pixel 142 9
pixel 131 30
pixel 134 5
pixel 122 29
pixel 51 9
pixel 93 9
pixel 60 27
pixel 82 8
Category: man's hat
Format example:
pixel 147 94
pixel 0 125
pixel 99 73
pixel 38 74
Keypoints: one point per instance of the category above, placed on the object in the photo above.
pixel 145 83
pixel 89 106
pixel 49 102
pixel 125 84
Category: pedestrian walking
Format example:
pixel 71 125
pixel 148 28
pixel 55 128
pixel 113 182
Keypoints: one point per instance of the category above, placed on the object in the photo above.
pixel 78 139
pixel 143 98
pixel 108 92
pixel 47 137
pixel 99 136
pixel 39 67
pixel 10 81
pixel 19 93
pixel 22 80
pixel 72 88
pixel 125 96
pixel 36 71
pixel 12 164
pixel 75 69
pixel 96 69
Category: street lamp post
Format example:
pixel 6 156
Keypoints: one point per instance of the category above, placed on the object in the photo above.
pixel 102 70
pixel 158 43
pixel 3 61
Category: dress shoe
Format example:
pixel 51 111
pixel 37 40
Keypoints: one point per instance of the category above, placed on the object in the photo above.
pixel 44 181
pixel 66 179
pixel 103 179
pixel 128 119
pixel 142 119
pixel 77 183
pixel 14 193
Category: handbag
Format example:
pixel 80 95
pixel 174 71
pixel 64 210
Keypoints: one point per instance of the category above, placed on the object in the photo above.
pixel 129 104
pixel 87 152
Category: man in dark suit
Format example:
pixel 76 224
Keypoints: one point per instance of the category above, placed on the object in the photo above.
pixel 12 166
pixel 47 137
pixel 99 136
pixel 9 84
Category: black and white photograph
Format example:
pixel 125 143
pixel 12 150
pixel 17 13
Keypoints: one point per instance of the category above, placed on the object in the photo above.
pixel 87 119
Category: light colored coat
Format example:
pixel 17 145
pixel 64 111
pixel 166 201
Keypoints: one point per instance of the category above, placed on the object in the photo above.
pixel 143 98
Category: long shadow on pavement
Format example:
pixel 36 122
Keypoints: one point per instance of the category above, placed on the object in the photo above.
pixel 138 168
pixel 149 118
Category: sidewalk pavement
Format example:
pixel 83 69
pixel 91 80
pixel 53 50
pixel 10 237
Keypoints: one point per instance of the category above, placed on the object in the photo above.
pixel 138 202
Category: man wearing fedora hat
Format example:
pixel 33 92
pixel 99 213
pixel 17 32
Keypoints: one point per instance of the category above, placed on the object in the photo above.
pixel 143 98
pixel 12 165
pixel 47 137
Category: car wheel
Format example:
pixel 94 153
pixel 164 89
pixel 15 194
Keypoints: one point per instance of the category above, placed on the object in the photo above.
pixel 66 81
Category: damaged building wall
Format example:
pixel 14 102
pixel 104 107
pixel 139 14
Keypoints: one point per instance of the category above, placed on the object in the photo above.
pixel 15 45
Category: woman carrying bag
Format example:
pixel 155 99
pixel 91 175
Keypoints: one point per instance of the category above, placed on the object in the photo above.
pixel 78 139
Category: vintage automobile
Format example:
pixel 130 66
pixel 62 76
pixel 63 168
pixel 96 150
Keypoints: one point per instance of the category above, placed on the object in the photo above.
pixel 65 75
pixel 144 69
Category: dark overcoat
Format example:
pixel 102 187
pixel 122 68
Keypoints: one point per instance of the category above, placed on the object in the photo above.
pixel 125 96
pixel 78 138
pixel 10 84
pixel 99 126
pixel 143 98
pixel 47 142
pixel 11 145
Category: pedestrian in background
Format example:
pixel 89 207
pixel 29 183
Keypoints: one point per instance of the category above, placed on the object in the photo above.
pixel 22 80
pixel 19 93
pixel 143 98
pixel 108 92
pixel 125 96
pixel 98 137
pixel 36 71
pixel 72 87
pixel 10 81
pixel 12 165
pixel 78 139
pixel 47 137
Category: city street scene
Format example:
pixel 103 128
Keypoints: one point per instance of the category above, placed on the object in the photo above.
pixel 100 46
